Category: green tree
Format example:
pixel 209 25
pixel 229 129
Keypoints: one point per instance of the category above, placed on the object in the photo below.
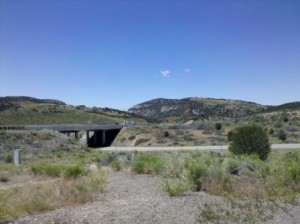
pixel 218 126
pixel 166 134
pixel 282 135
pixel 230 135
pixel 250 139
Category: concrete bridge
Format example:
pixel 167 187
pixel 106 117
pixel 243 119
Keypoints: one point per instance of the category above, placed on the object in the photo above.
pixel 96 135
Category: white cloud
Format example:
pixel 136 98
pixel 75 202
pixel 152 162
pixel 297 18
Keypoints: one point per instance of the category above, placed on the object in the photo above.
pixel 187 70
pixel 165 73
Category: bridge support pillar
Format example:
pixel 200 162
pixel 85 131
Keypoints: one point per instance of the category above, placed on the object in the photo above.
pixel 76 135
pixel 68 134
pixel 103 137
pixel 87 137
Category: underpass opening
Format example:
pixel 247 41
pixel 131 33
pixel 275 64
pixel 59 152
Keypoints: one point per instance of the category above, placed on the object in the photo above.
pixel 102 138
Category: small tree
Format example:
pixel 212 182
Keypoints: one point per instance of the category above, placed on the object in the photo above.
pixel 166 134
pixel 251 139
pixel 218 126
pixel 9 158
pixel 282 135
pixel 271 131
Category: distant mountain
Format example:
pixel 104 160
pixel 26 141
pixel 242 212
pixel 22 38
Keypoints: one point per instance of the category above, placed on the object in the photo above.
pixel 21 110
pixel 286 106
pixel 182 110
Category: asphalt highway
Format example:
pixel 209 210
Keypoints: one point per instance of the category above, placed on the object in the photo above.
pixel 218 148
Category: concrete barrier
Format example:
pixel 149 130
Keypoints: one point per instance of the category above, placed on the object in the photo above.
pixel 17 157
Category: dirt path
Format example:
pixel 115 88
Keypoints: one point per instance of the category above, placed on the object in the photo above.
pixel 137 199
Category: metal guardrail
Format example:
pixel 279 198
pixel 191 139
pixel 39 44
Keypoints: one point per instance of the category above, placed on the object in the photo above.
pixel 12 127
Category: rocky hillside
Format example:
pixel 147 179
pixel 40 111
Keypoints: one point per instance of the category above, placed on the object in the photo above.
pixel 28 110
pixel 181 110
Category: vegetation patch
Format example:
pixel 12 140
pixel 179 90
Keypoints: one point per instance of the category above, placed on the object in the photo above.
pixel 140 141
pixel 49 170
pixel 235 176
pixel 45 196
pixel 146 164
pixel 175 187
pixel 251 139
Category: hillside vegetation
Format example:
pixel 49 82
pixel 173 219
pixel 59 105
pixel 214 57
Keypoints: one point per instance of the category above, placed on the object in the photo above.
pixel 204 132
pixel 27 110
pixel 182 110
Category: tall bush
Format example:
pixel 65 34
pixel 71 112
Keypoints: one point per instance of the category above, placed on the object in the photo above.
pixel 197 172
pixel 250 139
pixel 218 126
pixel 282 135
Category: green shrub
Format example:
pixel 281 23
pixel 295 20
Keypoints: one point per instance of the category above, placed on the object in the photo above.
pixel 197 171
pixel 282 135
pixel 4 178
pixel 284 177
pixel 218 181
pixel 37 170
pixel 73 172
pixel 131 137
pixel 230 165
pixel 54 170
pixel 218 126
pixel 138 167
pixel 49 170
pixel 9 158
pixel 116 165
pixel 206 132
pixel 292 166
pixel 271 131
pixel 166 134
pixel 230 136
pixel 105 158
pixel 174 187
pixel 140 141
pixel 147 164
pixel 250 140
pixel 174 167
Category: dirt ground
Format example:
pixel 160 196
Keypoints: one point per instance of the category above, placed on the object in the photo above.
pixel 140 199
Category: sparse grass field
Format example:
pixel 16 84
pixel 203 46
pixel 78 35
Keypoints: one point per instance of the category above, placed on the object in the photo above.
pixel 54 172
pixel 49 182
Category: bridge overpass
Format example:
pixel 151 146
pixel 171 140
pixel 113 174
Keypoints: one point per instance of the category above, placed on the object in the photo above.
pixel 102 135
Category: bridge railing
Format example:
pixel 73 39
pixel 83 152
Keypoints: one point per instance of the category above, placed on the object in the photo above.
pixel 62 128
pixel 12 127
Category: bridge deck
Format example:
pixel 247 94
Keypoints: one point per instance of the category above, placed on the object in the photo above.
pixel 63 128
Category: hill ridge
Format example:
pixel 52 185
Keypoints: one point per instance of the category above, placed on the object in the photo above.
pixel 195 108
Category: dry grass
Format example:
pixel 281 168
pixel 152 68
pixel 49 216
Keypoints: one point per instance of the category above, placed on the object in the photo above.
pixel 48 195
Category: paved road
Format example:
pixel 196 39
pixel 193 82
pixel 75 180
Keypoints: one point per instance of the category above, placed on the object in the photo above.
pixel 219 148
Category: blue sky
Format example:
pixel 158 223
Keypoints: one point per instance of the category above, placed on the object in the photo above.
pixel 109 53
